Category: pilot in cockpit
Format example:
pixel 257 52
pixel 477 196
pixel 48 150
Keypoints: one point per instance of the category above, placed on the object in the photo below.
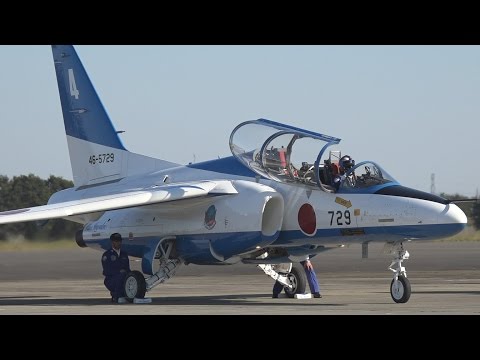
pixel 305 167
pixel 306 171
pixel 345 163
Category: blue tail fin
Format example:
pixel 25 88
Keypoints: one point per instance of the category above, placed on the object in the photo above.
pixel 83 113
pixel 96 153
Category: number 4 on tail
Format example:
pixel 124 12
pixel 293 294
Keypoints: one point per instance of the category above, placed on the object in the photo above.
pixel 73 86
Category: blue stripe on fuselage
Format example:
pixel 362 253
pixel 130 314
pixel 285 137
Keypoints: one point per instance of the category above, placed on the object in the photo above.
pixel 377 233
pixel 195 248
pixel 229 165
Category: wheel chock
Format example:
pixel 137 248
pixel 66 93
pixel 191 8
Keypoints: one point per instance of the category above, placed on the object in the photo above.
pixel 142 301
pixel 303 296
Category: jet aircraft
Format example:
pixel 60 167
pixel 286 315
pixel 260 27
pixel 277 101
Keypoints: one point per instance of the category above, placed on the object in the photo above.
pixel 271 203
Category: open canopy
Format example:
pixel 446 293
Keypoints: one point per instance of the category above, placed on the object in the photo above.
pixel 292 155
pixel 281 152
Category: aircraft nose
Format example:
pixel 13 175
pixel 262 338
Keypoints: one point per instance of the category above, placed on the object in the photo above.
pixel 453 214
pixel 453 217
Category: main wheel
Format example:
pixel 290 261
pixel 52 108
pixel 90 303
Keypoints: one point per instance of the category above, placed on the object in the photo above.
pixel 400 290
pixel 298 279
pixel 135 286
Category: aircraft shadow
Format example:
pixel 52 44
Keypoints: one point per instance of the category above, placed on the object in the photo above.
pixel 18 297
pixel 238 300
pixel 464 292
pixel 444 292
pixel 232 300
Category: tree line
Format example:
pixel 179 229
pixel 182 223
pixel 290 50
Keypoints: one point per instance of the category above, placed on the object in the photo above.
pixel 30 190
pixel 471 209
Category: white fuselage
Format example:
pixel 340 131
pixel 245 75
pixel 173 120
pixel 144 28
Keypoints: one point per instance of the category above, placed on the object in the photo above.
pixel 336 218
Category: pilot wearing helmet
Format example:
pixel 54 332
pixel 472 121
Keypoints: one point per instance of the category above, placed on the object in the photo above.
pixel 115 265
pixel 345 163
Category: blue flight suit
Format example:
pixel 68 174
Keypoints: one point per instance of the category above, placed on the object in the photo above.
pixel 112 270
pixel 311 278
pixel 336 181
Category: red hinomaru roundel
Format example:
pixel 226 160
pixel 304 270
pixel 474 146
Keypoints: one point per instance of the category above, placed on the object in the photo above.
pixel 307 219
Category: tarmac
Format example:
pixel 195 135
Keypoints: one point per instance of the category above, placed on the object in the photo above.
pixel 444 276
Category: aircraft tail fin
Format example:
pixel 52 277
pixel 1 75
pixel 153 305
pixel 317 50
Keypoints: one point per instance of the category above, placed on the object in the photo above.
pixel 96 152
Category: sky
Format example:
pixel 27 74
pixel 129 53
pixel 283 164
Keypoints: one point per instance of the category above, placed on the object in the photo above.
pixel 414 110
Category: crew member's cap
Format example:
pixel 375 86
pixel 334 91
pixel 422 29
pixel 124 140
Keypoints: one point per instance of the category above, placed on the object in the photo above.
pixel 116 237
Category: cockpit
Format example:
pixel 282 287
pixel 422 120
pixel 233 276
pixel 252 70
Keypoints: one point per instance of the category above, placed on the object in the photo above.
pixel 299 157
pixel 366 174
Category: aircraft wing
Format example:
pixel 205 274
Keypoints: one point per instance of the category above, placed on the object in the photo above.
pixel 152 195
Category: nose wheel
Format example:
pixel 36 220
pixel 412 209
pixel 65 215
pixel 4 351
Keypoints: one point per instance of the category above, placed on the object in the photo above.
pixel 400 289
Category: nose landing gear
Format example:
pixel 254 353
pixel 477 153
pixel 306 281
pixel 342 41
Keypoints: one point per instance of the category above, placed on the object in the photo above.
pixel 400 286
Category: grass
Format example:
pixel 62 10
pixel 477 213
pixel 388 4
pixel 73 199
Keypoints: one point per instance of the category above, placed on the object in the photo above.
pixel 19 244
pixel 469 234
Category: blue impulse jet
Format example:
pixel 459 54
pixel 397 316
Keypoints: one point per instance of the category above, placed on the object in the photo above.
pixel 281 197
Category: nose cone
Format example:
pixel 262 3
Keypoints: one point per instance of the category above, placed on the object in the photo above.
pixel 453 218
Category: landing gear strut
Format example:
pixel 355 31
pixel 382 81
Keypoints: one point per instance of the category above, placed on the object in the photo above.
pixel 400 286
pixel 136 284
pixel 293 278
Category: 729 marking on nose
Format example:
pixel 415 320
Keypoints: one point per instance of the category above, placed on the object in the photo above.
pixel 339 215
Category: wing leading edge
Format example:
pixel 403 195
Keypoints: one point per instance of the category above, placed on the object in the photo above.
pixel 153 195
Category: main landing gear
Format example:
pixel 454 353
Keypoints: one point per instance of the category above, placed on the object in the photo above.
pixel 293 278
pixel 136 285
pixel 298 281
pixel 400 286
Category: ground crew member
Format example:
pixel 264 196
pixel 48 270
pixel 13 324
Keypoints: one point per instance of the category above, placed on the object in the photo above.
pixel 116 266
